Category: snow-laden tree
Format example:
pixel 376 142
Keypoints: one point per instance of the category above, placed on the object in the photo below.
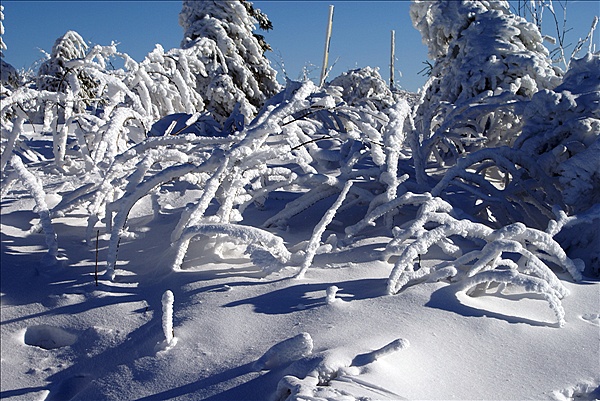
pixel 243 77
pixel 165 81
pixel 488 61
pixel 562 133
pixel 562 130
pixel 56 76
pixel 8 74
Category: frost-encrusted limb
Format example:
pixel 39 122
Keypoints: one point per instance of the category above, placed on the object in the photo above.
pixel 34 185
pixel 315 239
pixel 167 319
pixel 515 278
pixel 494 253
pixel 257 240
pixel 124 205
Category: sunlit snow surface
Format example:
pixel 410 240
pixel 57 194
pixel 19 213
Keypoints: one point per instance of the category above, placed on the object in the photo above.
pixel 63 337
pixel 343 242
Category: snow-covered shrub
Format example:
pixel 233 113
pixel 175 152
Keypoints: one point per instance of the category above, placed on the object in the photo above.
pixel 59 74
pixel 487 63
pixel 306 140
pixel 562 134
pixel 364 87
pixel 500 186
pixel 513 255
pixel 242 74
pixel 20 107
pixel 579 236
pixel 166 82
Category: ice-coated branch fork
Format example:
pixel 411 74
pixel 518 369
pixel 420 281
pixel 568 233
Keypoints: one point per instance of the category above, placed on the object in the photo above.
pixel 491 260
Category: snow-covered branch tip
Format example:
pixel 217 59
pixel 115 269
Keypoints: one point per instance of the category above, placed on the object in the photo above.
pixel 167 322
pixel 514 254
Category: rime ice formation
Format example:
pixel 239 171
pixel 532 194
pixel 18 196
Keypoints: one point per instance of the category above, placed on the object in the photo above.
pixel 487 62
pixel 243 74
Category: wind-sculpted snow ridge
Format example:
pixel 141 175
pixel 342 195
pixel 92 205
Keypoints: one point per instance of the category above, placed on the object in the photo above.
pixel 492 261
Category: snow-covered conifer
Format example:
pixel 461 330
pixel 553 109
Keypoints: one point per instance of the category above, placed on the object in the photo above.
pixel 53 74
pixel 243 74
pixel 8 74
pixel 487 61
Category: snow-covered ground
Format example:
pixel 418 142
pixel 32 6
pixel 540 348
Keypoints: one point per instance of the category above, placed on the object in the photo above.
pixel 64 337
pixel 185 228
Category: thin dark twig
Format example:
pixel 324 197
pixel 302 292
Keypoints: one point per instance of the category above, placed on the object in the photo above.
pixel 96 270
pixel 312 141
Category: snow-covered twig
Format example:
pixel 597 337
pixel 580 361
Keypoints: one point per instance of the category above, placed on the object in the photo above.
pixel 319 229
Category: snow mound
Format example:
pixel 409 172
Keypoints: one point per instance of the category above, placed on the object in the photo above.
pixel 285 352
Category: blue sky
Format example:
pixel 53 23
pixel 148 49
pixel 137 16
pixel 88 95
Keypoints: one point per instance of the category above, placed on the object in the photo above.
pixel 361 31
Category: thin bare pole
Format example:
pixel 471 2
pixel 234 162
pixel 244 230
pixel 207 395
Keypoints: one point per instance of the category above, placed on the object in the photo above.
pixel 392 59
pixel 327 42
pixel 96 269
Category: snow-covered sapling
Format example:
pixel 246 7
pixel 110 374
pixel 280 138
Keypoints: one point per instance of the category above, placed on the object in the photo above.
pixel 167 318
pixel 331 293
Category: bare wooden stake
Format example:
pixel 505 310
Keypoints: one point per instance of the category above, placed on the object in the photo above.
pixel 327 43
pixel 392 59
pixel 96 270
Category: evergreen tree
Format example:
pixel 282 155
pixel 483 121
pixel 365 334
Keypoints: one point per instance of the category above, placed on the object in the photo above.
pixel 56 75
pixel 8 74
pixel 487 60
pixel 52 72
pixel 242 75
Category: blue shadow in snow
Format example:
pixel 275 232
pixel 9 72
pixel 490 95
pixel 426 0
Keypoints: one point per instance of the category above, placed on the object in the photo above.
pixel 445 299
pixel 307 296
